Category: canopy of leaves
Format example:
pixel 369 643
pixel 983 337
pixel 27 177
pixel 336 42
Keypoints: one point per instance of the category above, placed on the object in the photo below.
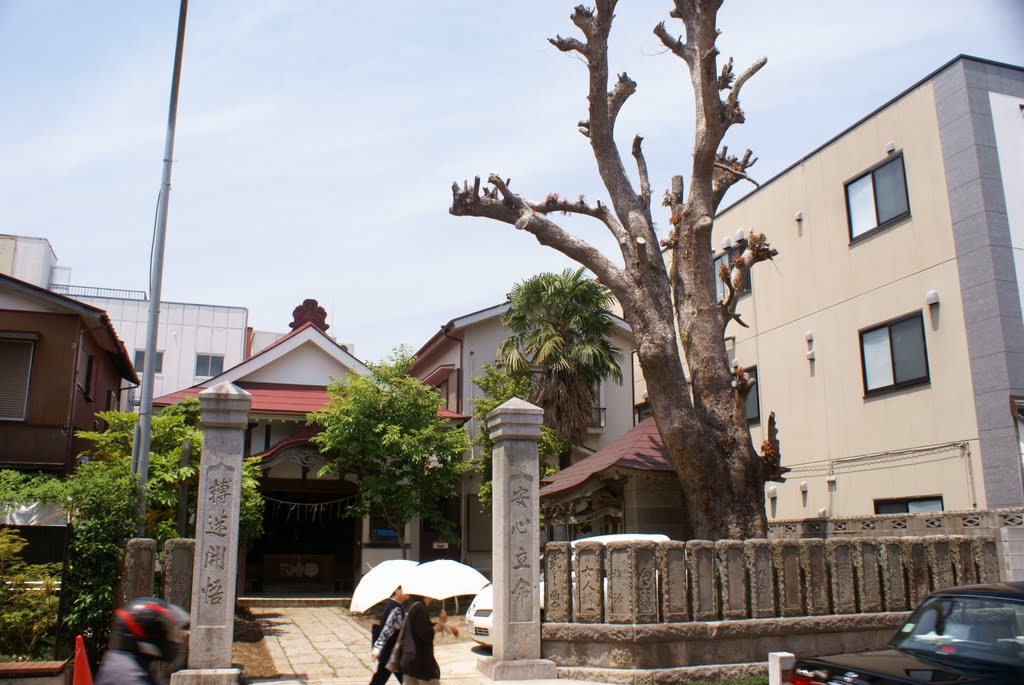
pixel 172 428
pixel 499 386
pixel 385 429
pixel 561 330
pixel 28 602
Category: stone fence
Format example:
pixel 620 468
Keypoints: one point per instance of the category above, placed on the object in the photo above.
pixel 969 522
pixel 648 582
pixel 642 605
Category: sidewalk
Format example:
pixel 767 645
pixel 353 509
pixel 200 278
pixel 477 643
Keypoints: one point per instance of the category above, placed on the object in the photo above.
pixel 323 646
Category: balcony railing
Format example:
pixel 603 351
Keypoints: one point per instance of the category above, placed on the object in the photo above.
pixel 89 291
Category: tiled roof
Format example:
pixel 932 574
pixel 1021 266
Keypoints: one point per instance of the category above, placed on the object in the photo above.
pixel 278 398
pixel 640 449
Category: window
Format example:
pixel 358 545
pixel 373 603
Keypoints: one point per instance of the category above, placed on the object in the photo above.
pixel 893 355
pixel 878 198
pixel 598 418
pixel 15 373
pixel 753 399
pixel 209 364
pixel 725 259
pixel 90 366
pixel 381 533
pixel 912 505
pixel 140 361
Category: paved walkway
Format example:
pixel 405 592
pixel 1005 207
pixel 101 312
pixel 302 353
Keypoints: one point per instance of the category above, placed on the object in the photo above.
pixel 323 646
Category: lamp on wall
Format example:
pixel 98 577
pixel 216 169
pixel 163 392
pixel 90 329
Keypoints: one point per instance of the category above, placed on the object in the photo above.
pixel 890 147
pixel 803 486
pixel 726 243
pixel 740 236
pixel 772 492
pixel 931 297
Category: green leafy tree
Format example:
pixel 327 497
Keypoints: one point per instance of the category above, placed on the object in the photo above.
pixel 385 429
pixel 172 428
pixel 499 386
pixel 561 329
pixel 28 602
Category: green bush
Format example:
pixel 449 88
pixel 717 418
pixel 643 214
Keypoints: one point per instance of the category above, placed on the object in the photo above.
pixel 28 602
pixel 101 505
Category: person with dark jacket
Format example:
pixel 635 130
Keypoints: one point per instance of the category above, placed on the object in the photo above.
pixel 145 630
pixel 391 618
pixel 418 663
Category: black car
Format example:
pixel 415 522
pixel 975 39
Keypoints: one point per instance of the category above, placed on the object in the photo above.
pixel 970 635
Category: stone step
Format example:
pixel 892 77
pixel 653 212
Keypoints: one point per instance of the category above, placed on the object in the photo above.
pixel 292 601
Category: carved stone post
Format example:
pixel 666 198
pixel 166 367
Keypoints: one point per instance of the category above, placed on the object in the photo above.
pixel 224 414
pixel 514 429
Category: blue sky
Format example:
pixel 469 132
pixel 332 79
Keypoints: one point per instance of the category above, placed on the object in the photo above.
pixel 317 141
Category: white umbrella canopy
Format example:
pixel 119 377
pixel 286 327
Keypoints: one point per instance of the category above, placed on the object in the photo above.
pixel 378 584
pixel 442 579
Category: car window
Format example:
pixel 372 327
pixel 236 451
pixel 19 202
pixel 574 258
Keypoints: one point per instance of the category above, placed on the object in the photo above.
pixel 961 628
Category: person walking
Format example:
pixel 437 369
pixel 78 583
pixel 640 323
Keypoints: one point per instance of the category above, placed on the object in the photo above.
pixel 418 663
pixel 391 618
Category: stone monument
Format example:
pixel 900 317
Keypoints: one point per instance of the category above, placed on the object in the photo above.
pixel 514 430
pixel 224 414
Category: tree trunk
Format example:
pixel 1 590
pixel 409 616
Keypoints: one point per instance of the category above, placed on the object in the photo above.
pixel 674 308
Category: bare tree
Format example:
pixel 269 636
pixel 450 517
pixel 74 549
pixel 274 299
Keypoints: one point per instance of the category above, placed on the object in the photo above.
pixel 669 299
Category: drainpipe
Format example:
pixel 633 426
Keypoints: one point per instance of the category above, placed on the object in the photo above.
pixel 69 425
pixel 463 509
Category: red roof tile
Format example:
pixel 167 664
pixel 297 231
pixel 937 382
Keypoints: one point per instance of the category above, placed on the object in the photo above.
pixel 279 398
pixel 640 449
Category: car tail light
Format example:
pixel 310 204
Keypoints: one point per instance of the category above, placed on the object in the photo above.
pixel 803 679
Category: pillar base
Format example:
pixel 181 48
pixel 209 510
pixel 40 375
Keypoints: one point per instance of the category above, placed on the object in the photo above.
pixel 206 676
pixel 520 669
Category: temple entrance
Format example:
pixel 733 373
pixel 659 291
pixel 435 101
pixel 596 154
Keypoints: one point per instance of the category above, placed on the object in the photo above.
pixel 309 545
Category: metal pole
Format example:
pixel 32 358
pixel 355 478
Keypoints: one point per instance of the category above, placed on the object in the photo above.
pixel 140 452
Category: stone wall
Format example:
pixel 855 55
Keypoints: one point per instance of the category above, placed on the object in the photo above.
pixel 670 582
pixel 645 605
pixel 987 522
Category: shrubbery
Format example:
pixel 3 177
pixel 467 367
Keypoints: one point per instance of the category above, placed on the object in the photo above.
pixel 28 602
pixel 100 498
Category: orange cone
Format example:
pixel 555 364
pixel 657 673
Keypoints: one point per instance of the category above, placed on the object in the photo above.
pixel 82 674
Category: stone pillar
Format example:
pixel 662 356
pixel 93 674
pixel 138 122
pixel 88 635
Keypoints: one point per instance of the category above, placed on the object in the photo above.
pixel 700 559
pixel 869 587
pixel 892 575
pixel 675 606
pixel 589 594
pixel 762 579
pixel 139 567
pixel 815 576
pixel 791 596
pixel 733 564
pixel 557 588
pixel 841 561
pixel 514 430
pixel 224 414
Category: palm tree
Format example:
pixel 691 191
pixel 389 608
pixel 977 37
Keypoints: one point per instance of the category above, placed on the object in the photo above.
pixel 561 333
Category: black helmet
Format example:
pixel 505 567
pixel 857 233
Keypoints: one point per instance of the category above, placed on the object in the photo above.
pixel 149 627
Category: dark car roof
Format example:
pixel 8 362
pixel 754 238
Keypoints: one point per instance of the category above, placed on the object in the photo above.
pixel 1008 590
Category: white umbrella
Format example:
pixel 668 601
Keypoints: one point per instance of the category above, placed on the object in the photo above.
pixel 378 584
pixel 442 579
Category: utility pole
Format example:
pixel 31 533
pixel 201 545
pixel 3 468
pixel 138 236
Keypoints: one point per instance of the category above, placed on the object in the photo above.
pixel 140 451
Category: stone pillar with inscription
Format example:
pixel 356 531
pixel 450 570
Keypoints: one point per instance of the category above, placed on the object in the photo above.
pixel 514 429
pixel 224 414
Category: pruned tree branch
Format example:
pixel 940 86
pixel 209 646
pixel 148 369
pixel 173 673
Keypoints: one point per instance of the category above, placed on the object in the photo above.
pixel 675 44
pixel 569 45
pixel 501 204
pixel 729 170
pixel 757 250
pixel 734 94
pixel 624 87
pixel 641 166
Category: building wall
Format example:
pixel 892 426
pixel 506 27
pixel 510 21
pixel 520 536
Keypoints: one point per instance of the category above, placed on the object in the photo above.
pixel 980 122
pixel 58 401
pixel 824 287
pixel 27 259
pixel 184 331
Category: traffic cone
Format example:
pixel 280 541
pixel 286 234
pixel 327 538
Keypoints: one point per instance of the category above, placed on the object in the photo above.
pixel 82 675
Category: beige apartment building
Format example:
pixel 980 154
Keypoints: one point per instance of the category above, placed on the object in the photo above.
pixel 887 335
